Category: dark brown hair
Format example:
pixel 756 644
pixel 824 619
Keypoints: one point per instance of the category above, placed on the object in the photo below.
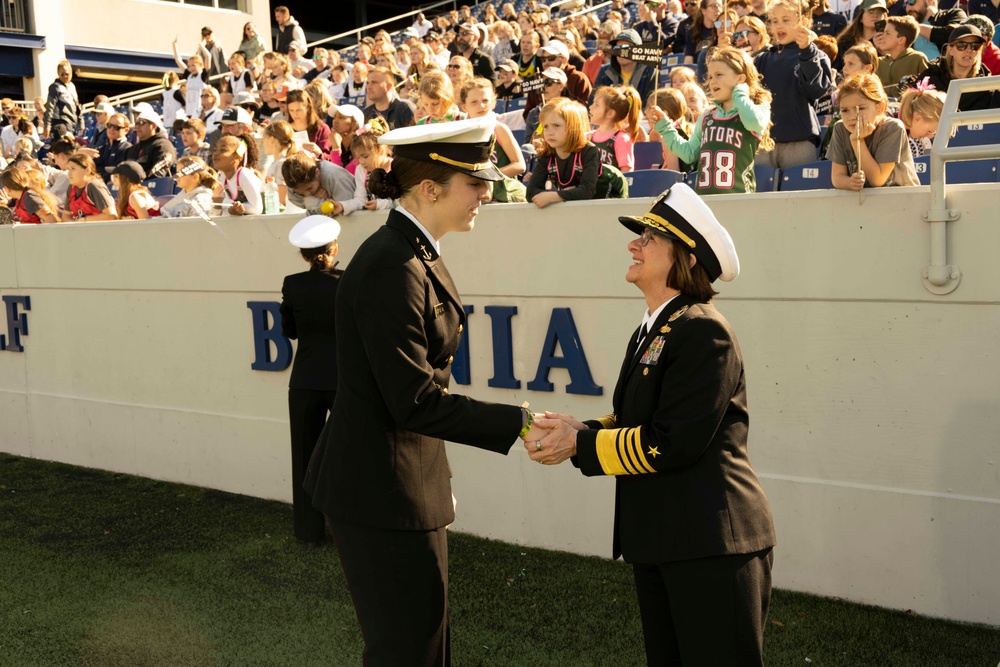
pixel 298 169
pixel 322 257
pixel 405 175
pixel 690 280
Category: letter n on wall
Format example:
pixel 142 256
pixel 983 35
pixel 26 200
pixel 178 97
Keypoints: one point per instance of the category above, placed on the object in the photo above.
pixel 264 335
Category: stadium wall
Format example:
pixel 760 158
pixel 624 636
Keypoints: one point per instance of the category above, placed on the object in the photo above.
pixel 874 404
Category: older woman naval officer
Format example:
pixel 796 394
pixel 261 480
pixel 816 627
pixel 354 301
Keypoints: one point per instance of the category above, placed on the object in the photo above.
pixel 308 302
pixel 380 472
pixel 690 515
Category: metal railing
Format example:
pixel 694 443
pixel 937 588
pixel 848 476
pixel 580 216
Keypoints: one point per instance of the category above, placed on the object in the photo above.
pixel 588 10
pixel 358 31
pixel 940 276
pixel 13 17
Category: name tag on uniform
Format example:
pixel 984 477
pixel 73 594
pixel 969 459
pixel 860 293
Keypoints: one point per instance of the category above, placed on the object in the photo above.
pixel 652 353
pixel 438 310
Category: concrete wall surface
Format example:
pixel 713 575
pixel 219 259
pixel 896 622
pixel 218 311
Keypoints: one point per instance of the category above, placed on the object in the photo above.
pixel 875 414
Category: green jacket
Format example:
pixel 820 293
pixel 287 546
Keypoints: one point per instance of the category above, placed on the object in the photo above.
pixel 891 71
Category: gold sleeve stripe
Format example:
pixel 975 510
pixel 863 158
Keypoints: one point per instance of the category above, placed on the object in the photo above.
pixel 624 438
pixel 642 462
pixel 607 452
pixel 608 421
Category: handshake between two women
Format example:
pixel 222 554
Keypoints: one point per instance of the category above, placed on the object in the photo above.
pixel 552 437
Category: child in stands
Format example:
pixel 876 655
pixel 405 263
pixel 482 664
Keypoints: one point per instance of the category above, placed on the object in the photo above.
pixel 134 199
pixel 89 199
pixel 278 145
pixel 695 98
pixel 727 136
pixel 33 205
pixel 196 181
pixel 920 112
pixel 239 189
pixel 868 149
pixel 569 167
pixel 437 98
pixel 860 59
pixel 240 78
pixel 555 84
pixel 478 99
pixel 196 77
pixel 798 75
pixel 615 112
pixel 371 155
pixel 347 120
pixel 671 102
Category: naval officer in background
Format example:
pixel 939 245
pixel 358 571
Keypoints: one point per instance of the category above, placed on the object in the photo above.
pixel 308 313
pixel 380 472
pixel 690 515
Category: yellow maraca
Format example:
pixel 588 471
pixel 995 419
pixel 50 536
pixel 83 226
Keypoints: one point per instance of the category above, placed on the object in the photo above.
pixel 326 208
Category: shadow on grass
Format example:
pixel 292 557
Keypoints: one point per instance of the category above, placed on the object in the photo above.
pixel 106 569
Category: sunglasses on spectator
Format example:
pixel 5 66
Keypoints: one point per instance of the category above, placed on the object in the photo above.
pixel 450 66
pixel 962 46
pixel 204 96
pixel 880 25
pixel 549 58
pixel 910 3
pixel 115 127
pixel 742 34
pixel 141 123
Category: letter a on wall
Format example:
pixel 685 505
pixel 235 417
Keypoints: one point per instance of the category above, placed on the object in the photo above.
pixel 562 332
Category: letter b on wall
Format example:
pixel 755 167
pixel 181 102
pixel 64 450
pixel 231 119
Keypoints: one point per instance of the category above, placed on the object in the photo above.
pixel 264 336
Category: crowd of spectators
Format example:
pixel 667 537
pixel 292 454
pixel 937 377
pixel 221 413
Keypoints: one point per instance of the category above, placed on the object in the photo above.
pixel 233 121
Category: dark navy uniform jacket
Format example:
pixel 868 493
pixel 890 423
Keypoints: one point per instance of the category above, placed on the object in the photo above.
pixel 381 460
pixel 677 444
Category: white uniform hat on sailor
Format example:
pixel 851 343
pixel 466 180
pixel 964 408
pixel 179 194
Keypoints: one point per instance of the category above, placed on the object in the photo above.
pixel 315 231
pixel 464 145
pixel 679 213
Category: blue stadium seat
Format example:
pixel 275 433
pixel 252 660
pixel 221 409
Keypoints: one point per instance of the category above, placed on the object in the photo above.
pixel 969 171
pixel 501 106
pixel 590 44
pixel 647 154
pixel 160 187
pixel 673 59
pixel 976 135
pixel 530 160
pixel 811 176
pixel 518 136
pixel 767 178
pixel 691 178
pixel 517 104
pixel 923 166
pixel 651 182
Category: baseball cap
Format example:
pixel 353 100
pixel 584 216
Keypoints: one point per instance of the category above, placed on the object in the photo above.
pixel 555 74
pixel 632 36
pixel 508 65
pixel 967 30
pixel 297 45
pixel 103 107
pixel 555 48
pixel 352 111
pixel 281 93
pixel 235 114
pixel 245 97
pixel 131 170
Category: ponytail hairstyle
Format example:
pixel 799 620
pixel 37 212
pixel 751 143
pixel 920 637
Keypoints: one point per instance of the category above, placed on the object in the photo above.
pixel 282 132
pixel 739 62
pixel 322 257
pixel 624 102
pixel 22 178
pixel 366 138
pixel 405 175
pixel 926 103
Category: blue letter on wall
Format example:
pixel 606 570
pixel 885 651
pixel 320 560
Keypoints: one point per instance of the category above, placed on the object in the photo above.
pixel 503 348
pixel 17 323
pixel 562 331
pixel 264 334
pixel 460 368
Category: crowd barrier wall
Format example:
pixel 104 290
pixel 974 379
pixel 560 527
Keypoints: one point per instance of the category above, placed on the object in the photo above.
pixel 875 413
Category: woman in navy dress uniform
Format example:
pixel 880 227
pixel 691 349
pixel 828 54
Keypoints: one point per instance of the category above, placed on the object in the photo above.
pixel 690 515
pixel 380 472
pixel 307 313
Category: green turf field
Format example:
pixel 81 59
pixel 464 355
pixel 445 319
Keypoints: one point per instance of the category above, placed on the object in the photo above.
pixel 107 570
